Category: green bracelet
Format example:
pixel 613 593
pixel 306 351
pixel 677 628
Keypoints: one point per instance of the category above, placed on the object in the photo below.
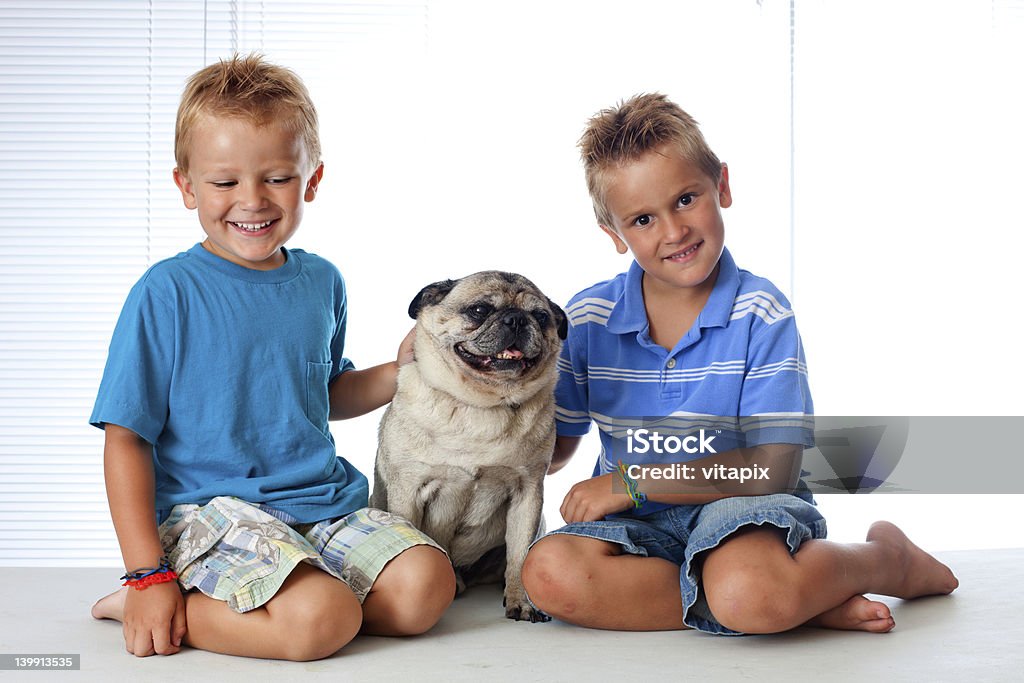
pixel 632 488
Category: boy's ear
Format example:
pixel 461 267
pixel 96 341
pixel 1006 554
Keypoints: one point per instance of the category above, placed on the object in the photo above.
pixel 314 183
pixel 620 244
pixel 185 185
pixel 724 193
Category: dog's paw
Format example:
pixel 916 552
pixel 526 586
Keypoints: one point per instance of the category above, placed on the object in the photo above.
pixel 523 611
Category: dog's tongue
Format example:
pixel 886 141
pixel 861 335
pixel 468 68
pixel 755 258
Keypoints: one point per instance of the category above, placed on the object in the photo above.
pixel 511 353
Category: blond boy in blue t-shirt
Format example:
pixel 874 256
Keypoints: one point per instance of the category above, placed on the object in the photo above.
pixel 241 530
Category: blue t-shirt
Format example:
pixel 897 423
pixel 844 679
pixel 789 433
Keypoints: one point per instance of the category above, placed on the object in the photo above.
pixel 739 373
pixel 225 371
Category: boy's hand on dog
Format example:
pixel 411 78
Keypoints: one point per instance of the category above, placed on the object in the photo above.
pixel 592 499
pixel 154 620
pixel 405 354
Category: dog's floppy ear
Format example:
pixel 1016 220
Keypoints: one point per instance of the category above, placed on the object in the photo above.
pixel 561 322
pixel 430 295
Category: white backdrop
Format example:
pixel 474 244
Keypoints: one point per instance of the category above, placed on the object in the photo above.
pixel 878 192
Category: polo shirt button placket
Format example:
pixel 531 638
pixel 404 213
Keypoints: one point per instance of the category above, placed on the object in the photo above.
pixel 669 390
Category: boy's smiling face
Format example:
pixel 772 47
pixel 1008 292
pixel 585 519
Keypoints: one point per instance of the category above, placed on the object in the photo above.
pixel 667 212
pixel 249 184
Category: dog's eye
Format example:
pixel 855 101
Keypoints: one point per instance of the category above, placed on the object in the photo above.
pixel 541 317
pixel 479 312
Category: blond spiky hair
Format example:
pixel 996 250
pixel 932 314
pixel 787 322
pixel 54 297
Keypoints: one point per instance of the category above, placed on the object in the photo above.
pixel 250 88
pixel 623 133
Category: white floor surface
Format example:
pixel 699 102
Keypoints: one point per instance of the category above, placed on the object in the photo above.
pixel 973 635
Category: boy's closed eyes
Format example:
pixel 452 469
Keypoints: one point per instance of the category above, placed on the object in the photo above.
pixel 249 183
pixel 228 184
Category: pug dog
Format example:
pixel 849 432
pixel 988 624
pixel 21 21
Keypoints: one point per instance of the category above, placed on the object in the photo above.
pixel 467 440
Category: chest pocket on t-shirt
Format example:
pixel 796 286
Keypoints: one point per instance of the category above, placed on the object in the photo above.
pixel 317 401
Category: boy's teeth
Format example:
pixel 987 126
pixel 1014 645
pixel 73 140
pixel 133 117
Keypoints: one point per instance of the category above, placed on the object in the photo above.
pixel 253 227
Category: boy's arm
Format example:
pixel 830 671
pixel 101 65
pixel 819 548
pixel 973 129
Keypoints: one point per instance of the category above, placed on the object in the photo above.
pixel 565 447
pixel 768 469
pixel 593 499
pixel 358 392
pixel 154 618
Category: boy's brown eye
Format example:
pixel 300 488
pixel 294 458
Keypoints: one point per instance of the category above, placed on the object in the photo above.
pixel 643 220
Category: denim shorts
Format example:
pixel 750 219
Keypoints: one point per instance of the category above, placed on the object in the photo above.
pixel 680 533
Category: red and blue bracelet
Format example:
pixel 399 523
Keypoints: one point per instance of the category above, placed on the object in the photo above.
pixel 143 578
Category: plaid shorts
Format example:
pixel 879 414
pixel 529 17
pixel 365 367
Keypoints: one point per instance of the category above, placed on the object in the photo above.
pixel 240 553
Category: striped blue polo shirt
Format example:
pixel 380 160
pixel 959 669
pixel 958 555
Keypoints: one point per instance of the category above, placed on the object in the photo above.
pixel 739 373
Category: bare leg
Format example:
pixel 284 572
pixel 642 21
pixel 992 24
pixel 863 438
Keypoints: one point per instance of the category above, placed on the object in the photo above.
pixel 313 616
pixel 754 585
pixel 751 581
pixel 589 582
pixel 649 584
pixel 411 593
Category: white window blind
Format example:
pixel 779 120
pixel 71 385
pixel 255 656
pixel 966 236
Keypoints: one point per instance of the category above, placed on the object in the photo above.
pixel 77 83
pixel 88 94
pixel 448 129
pixel 448 141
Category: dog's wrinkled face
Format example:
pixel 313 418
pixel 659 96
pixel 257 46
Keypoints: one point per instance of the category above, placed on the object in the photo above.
pixel 493 325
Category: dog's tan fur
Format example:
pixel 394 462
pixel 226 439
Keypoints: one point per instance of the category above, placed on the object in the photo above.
pixel 463 451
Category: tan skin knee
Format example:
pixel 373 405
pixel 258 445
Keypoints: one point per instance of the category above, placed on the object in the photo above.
pixel 743 601
pixel 542 579
pixel 320 633
pixel 593 583
pixel 411 593
pixel 312 616
pixel 556 576
pixel 318 616
pixel 749 583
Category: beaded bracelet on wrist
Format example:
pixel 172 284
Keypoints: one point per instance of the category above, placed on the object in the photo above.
pixel 143 578
pixel 632 487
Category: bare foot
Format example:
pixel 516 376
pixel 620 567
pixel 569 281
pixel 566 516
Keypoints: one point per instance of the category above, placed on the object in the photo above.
pixel 857 614
pixel 110 606
pixel 915 572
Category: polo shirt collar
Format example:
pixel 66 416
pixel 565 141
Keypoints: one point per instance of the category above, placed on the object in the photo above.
pixel 630 315
pixel 718 309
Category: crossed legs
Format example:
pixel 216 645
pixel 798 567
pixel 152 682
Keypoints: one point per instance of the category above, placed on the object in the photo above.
pixel 751 582
pixel 314 615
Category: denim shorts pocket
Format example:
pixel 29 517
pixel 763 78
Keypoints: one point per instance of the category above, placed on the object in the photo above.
pixel 317 399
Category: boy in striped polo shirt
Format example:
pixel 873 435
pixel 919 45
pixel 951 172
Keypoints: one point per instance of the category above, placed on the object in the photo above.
pixel 693 371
